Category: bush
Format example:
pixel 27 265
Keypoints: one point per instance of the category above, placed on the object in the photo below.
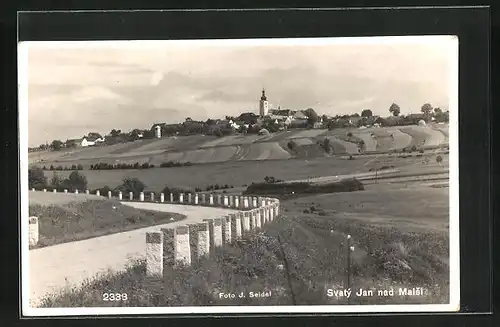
pixel 349 134
pixel 345 185
pixel 133 185
pixel 75 181
pixel 36 178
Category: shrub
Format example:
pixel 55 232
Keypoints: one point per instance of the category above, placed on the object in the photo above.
pixel 75 181
pixel 421 151
pixel 349 134
pixel 439 159
pixel 133 185
pixel 36 178
pixel 413 148
pixel 306 211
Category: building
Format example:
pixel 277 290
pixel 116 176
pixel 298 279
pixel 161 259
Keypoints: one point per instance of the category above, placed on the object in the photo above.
pixel 91 141
pixel 263 104
pixel 158 131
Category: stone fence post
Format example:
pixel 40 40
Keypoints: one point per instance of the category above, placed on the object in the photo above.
pixel 33 231
pixel 154 254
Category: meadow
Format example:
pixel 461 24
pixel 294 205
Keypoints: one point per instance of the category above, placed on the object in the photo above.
pixel 400 239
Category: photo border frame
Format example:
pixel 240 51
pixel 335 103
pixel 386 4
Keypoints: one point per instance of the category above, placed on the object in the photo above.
pixel 470 24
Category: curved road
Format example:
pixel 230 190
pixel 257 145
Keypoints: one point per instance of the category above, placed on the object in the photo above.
pixel 54 267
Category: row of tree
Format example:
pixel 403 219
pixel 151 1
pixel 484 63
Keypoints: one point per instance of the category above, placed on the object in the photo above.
pixel 137 165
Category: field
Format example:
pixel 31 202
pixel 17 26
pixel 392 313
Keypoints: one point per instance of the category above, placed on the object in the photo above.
pixel 239 173
pixel 400 238
pixel 200 149
pixel 399 223
pixel 69 217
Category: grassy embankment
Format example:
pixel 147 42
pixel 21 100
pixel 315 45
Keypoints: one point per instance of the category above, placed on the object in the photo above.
pixel 66 217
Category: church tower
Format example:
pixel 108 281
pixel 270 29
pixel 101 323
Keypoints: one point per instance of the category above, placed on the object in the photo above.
pixel 263 104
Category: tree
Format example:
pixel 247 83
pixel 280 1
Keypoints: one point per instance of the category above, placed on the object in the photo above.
pixel 133 185
pixel 115 132
pixel 394 109
pixel 56 181
pixel 56 145
pixel 438 111
pixel 94 135
pixel 75 181
pixel 426 108
pixel 36 178
pixel 312 116
pixel 367 113
pixel 439 159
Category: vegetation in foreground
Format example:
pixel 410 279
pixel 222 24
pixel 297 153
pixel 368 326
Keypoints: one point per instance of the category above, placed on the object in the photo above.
pixel 78 220
pixel 298 258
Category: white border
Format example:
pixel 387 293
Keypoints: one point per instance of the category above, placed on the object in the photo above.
pixel 454 304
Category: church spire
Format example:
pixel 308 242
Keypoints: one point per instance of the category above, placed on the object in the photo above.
pixel 263 97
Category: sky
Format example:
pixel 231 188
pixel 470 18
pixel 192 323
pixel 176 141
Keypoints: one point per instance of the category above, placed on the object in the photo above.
pixel 74 88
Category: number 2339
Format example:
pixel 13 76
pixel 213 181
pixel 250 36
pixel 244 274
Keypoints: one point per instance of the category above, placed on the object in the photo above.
pixel 114 297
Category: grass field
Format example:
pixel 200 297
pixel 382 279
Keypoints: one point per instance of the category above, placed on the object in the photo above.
pixel 302 255
pixel 208 149
pixel 239 173
pixel 68 217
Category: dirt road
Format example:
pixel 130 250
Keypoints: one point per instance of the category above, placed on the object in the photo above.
pixel 54 267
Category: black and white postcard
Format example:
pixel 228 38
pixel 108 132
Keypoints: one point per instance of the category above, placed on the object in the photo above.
pixel 308 175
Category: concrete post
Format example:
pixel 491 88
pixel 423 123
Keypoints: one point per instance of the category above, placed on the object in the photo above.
pixel 120 195
pixel 33 189
pixel 171 198
pixel 154 254
pixel 259 201
pixel 219 199
pixel 277 209
pixel 168 246
pixel 162 197
pixel 215 230
pixel 199 239
pixel 33 231
pixel 231 201
pixel 87 192
pixel 182 248
pixel 251 214
pixel 130 196
pixel 266 215
pixel 235 225
pixel 226 201
pixel 65 191
pixel 203 198
pixel 262 202
pixel 54 191
pixel 45 190
pixel 246 222
pixel 211 200
pixel 190 198
pixel 98 193
pixel 181 198
pixel 245 203
pixel 226 230
pixel 152 197
pixel 258 222
pixel 141 196
pixel 109 194
pixel 196 201
pixel 262 217
pixel 236 202
pixel 76 191
pixel 271 212
pixel 254 203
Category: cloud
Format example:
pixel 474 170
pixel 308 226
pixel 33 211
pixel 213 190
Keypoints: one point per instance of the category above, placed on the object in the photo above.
pixel 77 89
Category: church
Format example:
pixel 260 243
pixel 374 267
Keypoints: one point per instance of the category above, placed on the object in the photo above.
pixel 263 105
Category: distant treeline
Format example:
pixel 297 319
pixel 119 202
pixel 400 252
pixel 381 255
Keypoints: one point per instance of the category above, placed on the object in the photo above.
pixel 106 166
pixel 137 165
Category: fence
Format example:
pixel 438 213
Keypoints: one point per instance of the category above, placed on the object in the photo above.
pixel 186 243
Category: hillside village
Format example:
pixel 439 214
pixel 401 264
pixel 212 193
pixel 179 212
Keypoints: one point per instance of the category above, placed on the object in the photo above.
pixel 267 120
